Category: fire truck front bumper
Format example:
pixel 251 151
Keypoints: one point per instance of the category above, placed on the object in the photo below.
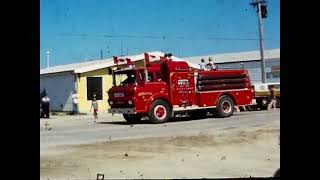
pixel 122 111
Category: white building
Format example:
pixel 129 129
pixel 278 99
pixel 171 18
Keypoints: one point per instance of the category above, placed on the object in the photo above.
pixel 250 60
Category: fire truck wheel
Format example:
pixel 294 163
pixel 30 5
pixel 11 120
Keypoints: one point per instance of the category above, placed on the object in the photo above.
pixel 132 118
pixel 159 112
pixel 225 107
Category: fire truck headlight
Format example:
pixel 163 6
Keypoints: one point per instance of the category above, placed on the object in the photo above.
pixel 111 102
pixel 130 102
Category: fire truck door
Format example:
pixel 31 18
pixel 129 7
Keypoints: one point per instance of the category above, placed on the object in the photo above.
pixel 182 89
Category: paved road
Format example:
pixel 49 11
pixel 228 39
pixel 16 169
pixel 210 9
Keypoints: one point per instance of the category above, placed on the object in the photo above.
pixel 79 131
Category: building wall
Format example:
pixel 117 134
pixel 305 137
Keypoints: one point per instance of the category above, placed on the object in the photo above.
pixel 59 87
pixel 139 63
pixel 254 69
pixel 84 104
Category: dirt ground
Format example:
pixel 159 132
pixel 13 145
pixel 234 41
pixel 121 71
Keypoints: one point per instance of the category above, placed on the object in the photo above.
pixel 232 152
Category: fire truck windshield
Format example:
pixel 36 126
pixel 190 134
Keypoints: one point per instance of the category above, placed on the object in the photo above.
pixel 125 77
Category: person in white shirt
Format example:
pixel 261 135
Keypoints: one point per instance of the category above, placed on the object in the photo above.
pixel 94 106
pixel 75 102
pixel 46 106
pixel 202 64
pixel 211 65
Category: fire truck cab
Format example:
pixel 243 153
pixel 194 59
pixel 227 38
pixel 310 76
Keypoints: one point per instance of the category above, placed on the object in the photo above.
pixel 165 88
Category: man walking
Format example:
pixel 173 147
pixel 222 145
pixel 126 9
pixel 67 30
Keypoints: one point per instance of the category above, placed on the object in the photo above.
pixel 75 102
pixel 46 106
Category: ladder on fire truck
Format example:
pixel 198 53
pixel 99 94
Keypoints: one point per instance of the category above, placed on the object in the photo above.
pixel 148 59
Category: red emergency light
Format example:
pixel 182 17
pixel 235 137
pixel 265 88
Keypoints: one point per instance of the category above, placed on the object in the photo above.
pixel 129 62
pixel 162 59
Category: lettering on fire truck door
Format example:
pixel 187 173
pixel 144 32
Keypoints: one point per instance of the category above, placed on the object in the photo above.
pixel 182 90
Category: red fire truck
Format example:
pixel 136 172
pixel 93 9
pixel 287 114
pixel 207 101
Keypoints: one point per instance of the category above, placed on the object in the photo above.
pixel 165 88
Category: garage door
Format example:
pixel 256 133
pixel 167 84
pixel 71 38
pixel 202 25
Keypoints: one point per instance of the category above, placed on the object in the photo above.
pixel 59 87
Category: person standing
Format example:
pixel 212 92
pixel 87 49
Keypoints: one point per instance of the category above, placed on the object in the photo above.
pixel 202 64
pixel 170 57
pixel 273 98
pixel 46 106
pixel 75 102
pixel 211 65
pixel 94 106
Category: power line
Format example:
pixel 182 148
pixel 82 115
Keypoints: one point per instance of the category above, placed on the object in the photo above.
pixel 163 37
pixel 241 39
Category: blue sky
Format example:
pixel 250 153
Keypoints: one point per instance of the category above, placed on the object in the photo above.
pixel 76 30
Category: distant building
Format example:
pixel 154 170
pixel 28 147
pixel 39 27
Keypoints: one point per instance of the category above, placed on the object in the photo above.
pixel 249 60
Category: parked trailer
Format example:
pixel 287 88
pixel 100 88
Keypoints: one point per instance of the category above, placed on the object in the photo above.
pixel 262 94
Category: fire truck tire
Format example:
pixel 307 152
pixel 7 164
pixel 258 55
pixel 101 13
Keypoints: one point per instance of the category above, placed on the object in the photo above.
pixel 132 118
pixel 225 107
pixel 159 112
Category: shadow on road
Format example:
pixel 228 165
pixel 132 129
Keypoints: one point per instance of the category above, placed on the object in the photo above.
pixel 176 119
pixel 115 122
pixel 146 121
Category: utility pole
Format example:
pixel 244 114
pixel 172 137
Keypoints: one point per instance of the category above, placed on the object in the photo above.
pixel 48 60
pixel 262 13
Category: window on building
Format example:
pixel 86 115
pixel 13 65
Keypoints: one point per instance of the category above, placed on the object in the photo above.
pixel 269 75
pixel 276 74
pixel 94 87
pixel 273 75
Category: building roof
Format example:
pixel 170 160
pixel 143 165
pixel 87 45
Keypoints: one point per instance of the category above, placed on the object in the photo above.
pixel 99 64
pixel 192 61
pixel 236 57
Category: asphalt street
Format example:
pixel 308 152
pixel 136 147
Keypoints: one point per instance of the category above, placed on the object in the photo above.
pixel 80 130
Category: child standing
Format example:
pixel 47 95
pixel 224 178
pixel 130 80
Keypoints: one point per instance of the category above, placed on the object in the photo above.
pixel 273 98
pixel 94 106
